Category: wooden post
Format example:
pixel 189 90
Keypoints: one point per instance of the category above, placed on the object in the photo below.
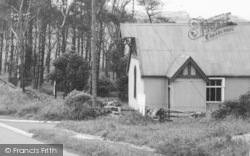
pixel 54 90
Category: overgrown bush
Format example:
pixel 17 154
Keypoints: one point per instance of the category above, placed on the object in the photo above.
pixel 56 111
pixel 238 108
pixel 78 106
pixel 221 113
pixel 36 95
pixel 105 86
pixel 71 70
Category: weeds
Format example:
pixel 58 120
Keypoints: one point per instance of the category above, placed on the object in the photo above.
pixel 199 137
pixel 33 104
pixel 87 147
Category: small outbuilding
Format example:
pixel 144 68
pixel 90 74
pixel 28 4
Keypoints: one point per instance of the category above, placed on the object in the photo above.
pixel 179 67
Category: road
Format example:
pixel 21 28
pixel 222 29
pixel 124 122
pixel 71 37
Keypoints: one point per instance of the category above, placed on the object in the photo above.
pixel 9 137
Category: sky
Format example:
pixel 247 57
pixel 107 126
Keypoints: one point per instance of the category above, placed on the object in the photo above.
pixel 209 8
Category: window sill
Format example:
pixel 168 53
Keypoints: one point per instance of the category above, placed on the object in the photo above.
pixel 220 102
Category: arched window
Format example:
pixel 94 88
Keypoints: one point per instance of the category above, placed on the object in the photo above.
pixel 135 82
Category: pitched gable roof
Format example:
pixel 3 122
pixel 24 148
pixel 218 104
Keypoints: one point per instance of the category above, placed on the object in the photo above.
pixel 180 63
pixel 160 44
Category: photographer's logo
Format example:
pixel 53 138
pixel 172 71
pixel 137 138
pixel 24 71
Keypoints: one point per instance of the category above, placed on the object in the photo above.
pixel 31 149
pixel 210 28
pixel 7 150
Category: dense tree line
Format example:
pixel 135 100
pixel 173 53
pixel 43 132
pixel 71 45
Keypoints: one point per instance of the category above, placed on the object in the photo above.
pixel 35 32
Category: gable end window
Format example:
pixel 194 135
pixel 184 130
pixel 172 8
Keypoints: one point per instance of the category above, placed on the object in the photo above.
pixel 215 90
pixel 135 84
pixel 189 72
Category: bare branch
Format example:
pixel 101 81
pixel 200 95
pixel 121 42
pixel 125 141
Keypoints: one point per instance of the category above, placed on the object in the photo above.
pixel 14 32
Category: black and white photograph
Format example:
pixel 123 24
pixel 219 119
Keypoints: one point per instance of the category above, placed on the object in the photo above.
pixel 124 78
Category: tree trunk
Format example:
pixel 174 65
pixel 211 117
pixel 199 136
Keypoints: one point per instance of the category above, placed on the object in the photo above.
pixel 94 54
pixel 78 43
pixel 49 51
pixel 1 51
pixel 35 60
pixel 82 43
pixel 28 56
pixel 6 49
pixel 63 45
pixel 74 31
pixel 99 51
pixel 58 47
pixel 10 66
pixel 1 47
pixel 42 53
pixel 88 45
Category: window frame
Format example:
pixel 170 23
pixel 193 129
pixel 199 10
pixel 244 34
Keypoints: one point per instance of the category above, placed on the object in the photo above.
pixel 189 74
pixel 222 89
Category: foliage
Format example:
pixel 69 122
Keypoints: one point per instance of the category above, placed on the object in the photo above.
pixel 119 61
pixel 161 19
pixel 222 112
pixel 119 66
pixel 105 86
pixel 71 70
pixel 51 27
pixel 56 111
pixel 79 106
pixel 239 108
pixel 151 7
pixel 122 86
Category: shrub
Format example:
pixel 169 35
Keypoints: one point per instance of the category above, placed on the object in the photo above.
pixel 78 106
pixel 105 86
pixel 239 108
pixel 29 109
pixel 221 113
pixel 35 95
pixel 122 85
pixel 71 70
pixel 55 111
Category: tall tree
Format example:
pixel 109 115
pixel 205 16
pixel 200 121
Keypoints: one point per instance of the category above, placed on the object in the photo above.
pixel 151 7
pixel 94 53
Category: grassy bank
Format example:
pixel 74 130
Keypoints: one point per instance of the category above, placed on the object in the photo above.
pixel 32 104
pixel 87 147
pixel 183 137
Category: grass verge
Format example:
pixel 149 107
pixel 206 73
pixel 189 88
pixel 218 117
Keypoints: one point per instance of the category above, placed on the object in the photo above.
pixel 183 137
pixel 87 147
